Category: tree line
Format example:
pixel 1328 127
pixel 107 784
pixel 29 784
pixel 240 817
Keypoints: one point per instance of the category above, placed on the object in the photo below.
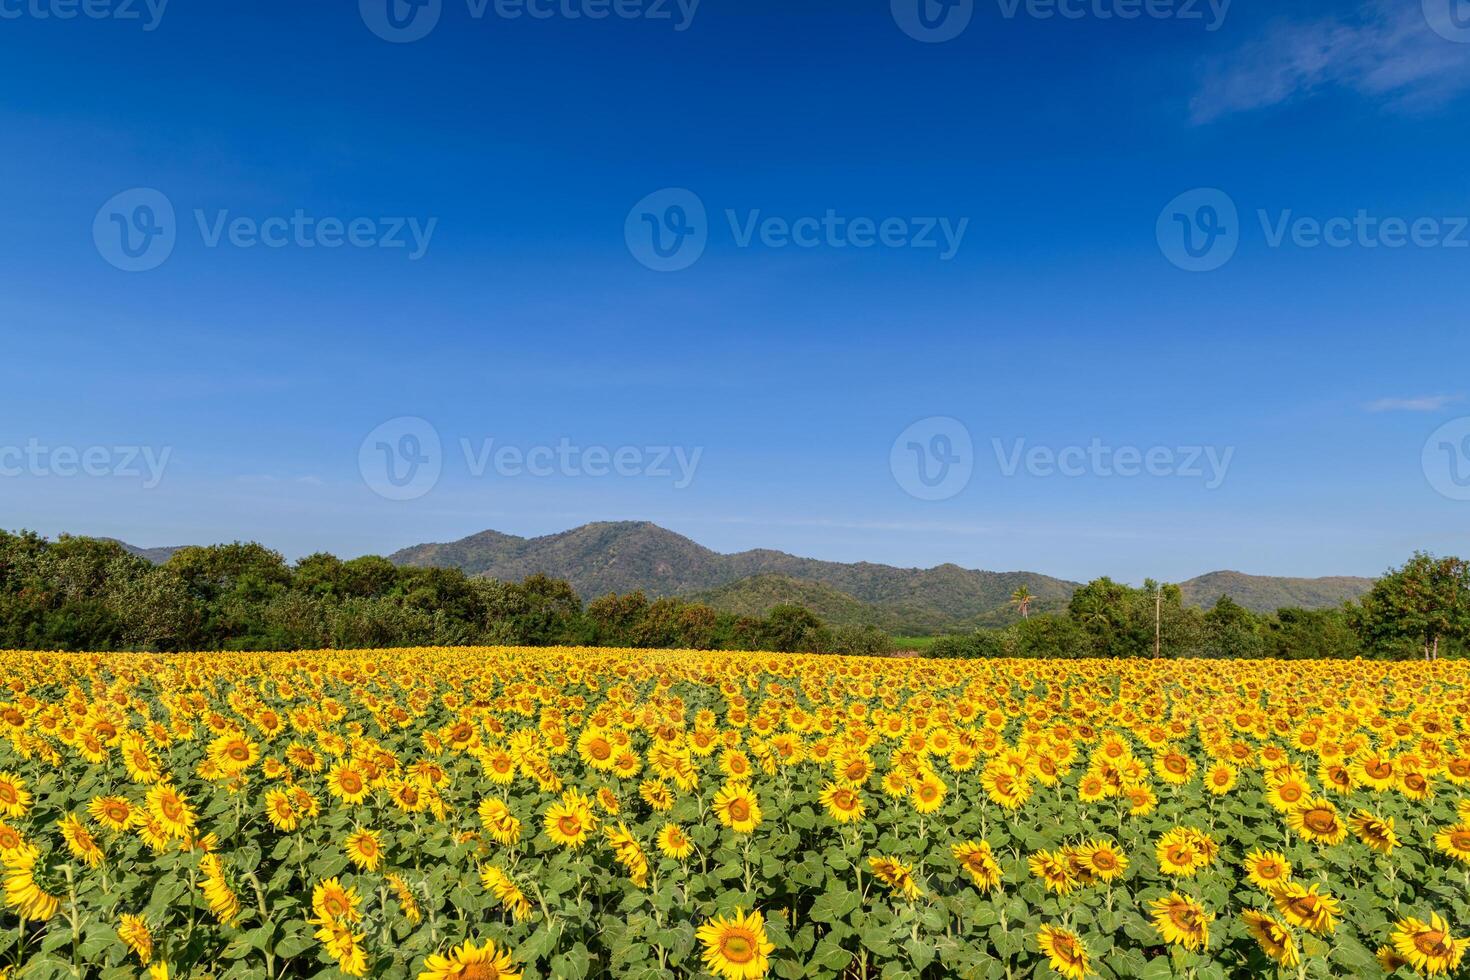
pixel 1421 609
pixel 79 593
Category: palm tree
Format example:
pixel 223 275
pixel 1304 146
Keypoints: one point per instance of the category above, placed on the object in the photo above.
pixel 1021 599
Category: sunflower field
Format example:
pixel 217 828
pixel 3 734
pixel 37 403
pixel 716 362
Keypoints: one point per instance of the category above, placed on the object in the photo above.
pixel 462 814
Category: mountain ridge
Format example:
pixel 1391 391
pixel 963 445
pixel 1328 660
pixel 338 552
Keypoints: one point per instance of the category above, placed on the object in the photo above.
pixel 625 556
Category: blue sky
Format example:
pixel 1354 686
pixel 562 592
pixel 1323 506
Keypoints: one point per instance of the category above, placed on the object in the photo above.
pixel 524 149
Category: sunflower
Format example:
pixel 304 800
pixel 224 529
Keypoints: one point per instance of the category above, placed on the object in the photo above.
pixel 79 841
pixel 896 875
pixel 15 799
pixel 331 901
pixel 1064 950
pixel 569 824
pixel 10 840
pixel 1375 831
pixel 1182 920
pixel 170 808
pixel 1287 794
pixel 979 863
pixel 223 903
pixel 1141 800
pixel 113 812
pixel 1316 820
pixel 735 765
pixel 928 794
pixel 233 753
pixel 134 933
pixel 738 807
pixel 1103 859
pixel 673 842
pixel 1306 908
pixel 1174 767
pixel 1003 786
pixel 22 892
pixel 1428 946
pixel 467 961
pixel 1267 869
pixel 1092 787
pixel 1389 959
pixel 735 948
pixel 1454 841
pixel 1415 785
pixel 1274 938
pixel 280 810
pixel 1179 853
pixel 345 781
pixel 498 821
pixel 1054 868
pixel 844 803
pixel 364 849
pixel 656 794
pixel 406 900
pixel 629 853
pixel 1221 778
pixel 506 891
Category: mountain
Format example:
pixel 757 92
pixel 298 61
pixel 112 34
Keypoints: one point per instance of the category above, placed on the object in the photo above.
pixel 630 555
pixel 156 555
pixel 1267 593
pixel 624 556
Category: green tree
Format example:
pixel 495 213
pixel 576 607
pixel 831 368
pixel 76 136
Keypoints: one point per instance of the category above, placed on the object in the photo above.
pixel 1425 603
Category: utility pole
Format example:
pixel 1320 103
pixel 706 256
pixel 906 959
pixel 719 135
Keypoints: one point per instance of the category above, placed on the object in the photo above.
pixel 1158 609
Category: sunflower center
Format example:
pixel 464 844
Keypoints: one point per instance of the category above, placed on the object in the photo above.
pixel 739 810
pixel 8 793
pixel 1176 764
pixel 569 825
pixel 1320 821
pixel 350 782
pixel 479 971
pixel 1431 943
pixel 738 947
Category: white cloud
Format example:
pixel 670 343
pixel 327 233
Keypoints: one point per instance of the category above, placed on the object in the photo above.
pixel 1381 49
pixel 1423 403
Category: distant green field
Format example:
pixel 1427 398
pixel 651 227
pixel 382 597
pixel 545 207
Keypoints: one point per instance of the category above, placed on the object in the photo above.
pixel 914 642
